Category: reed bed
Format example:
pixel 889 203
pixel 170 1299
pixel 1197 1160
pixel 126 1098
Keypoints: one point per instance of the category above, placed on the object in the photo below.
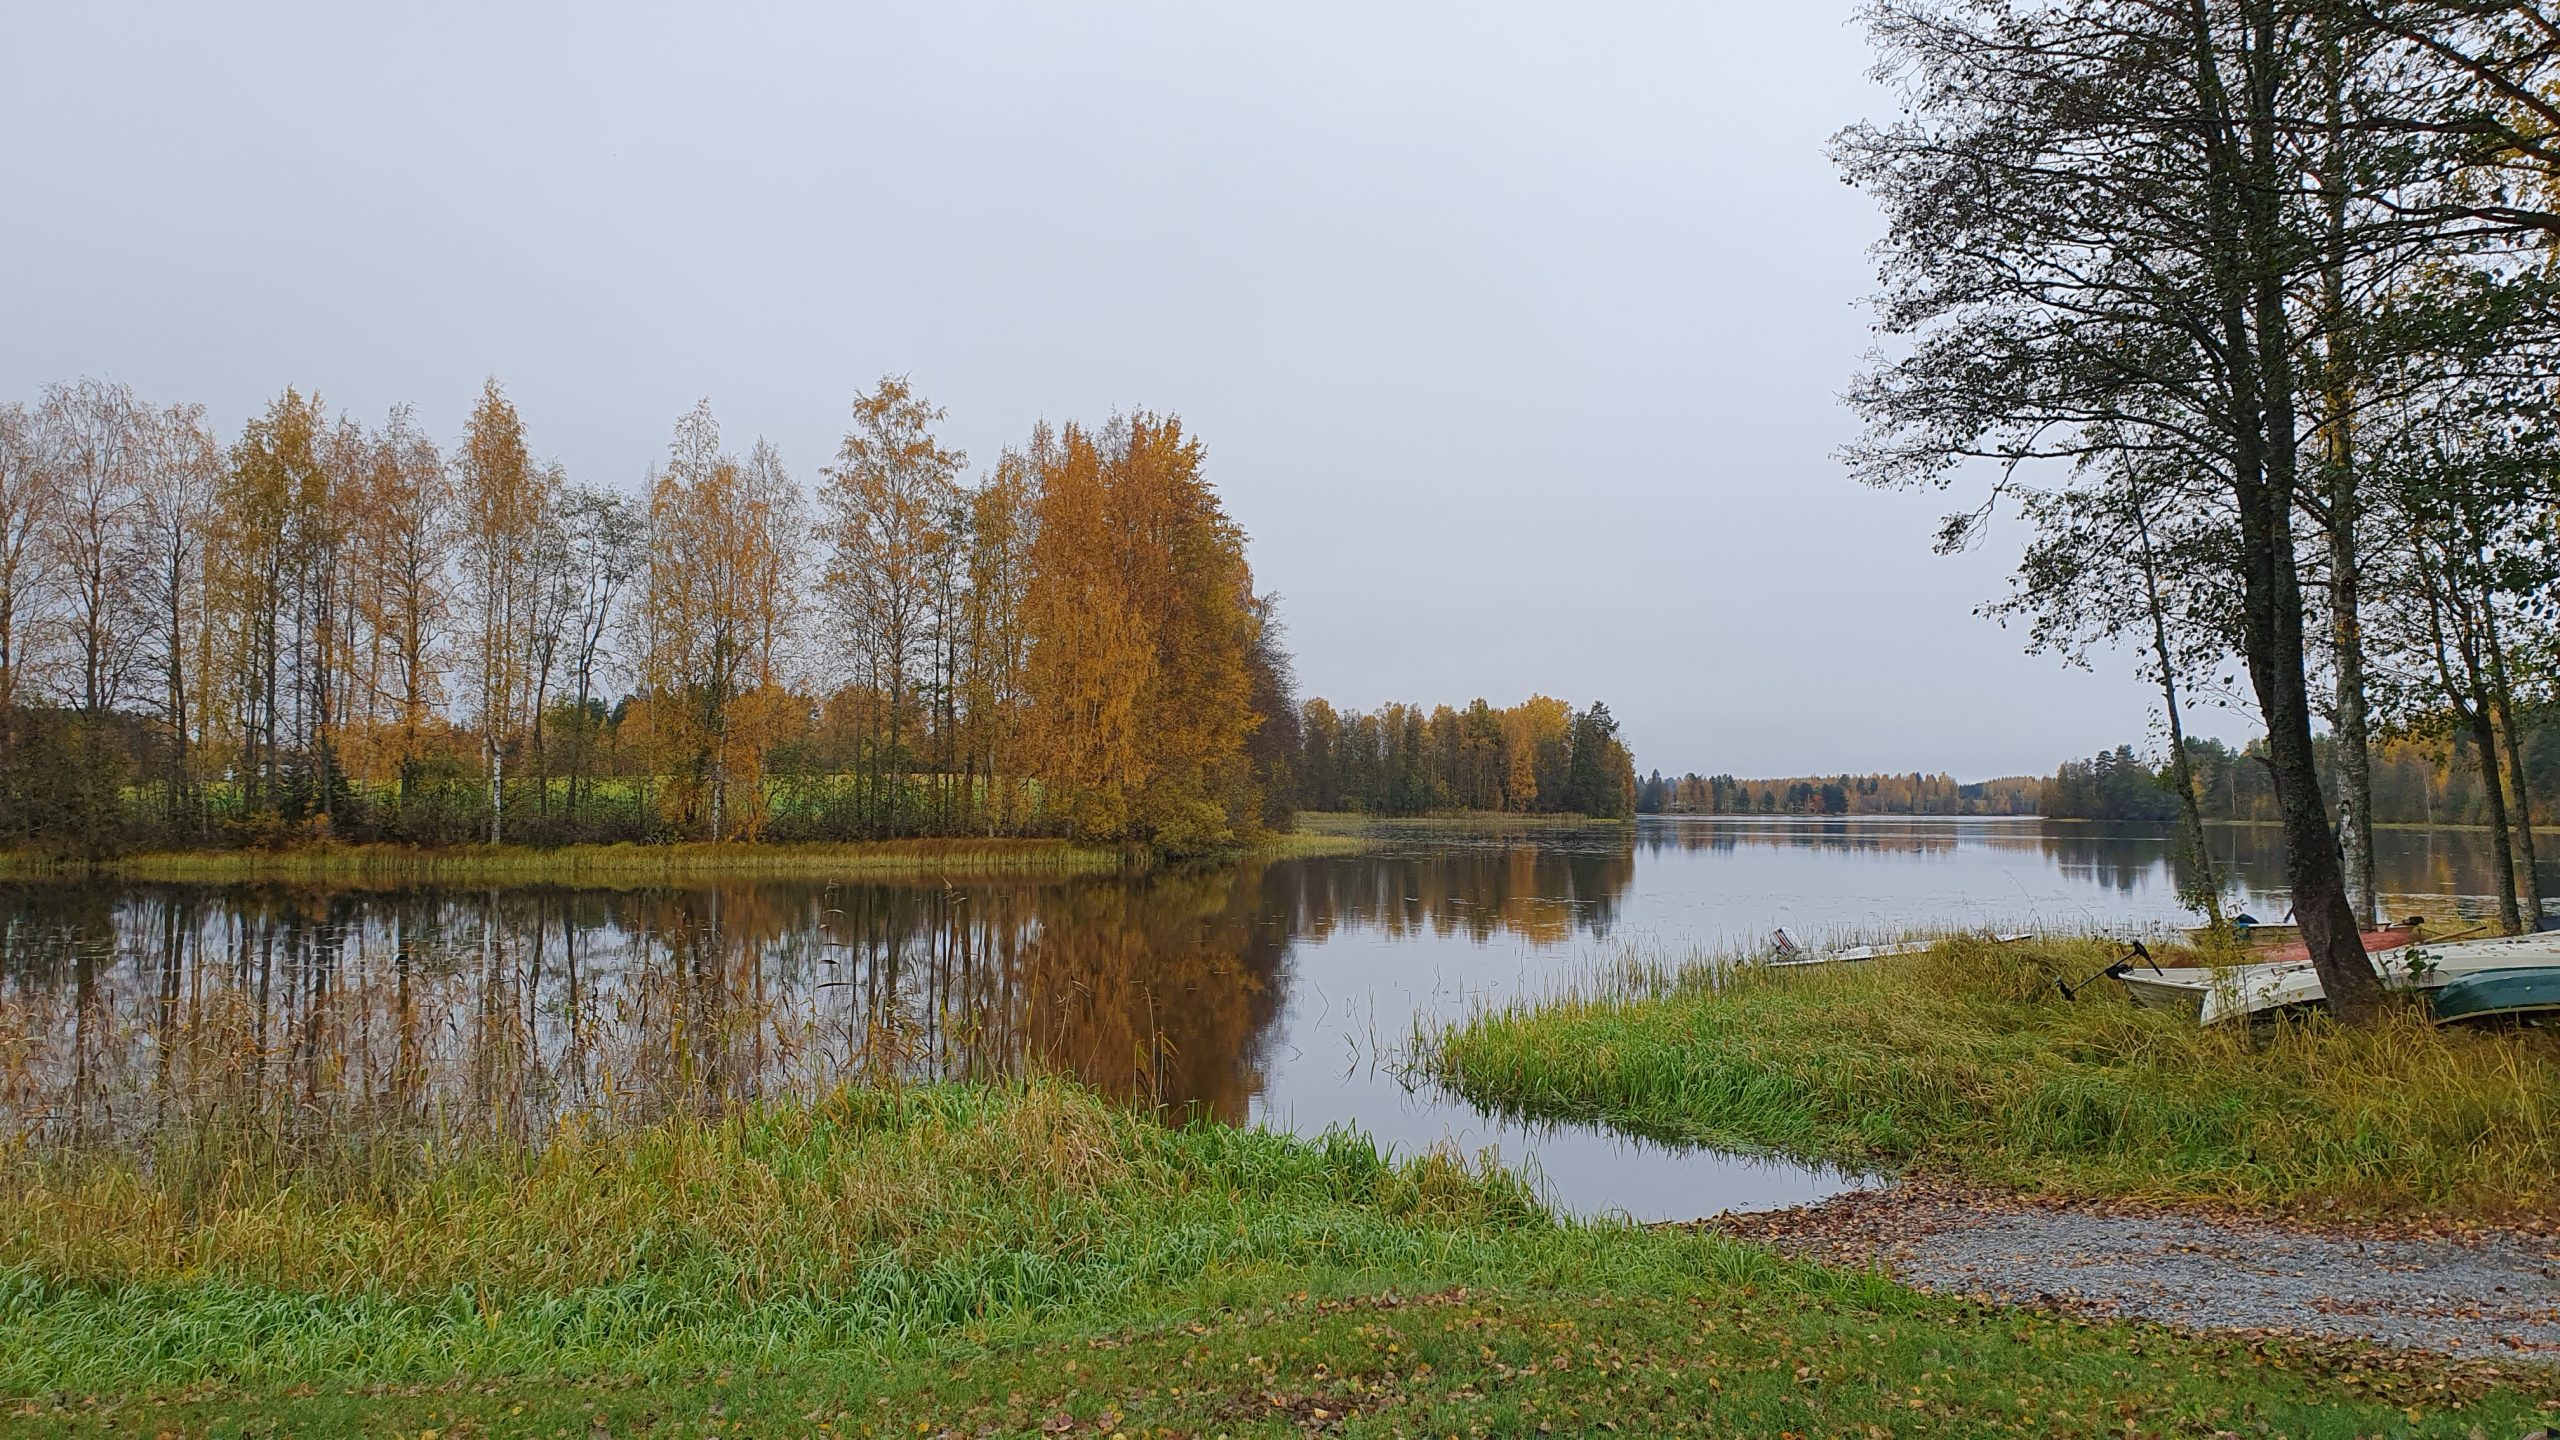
pixel 1968 1059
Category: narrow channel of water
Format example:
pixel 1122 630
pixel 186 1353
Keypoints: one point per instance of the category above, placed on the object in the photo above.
pixel 1282 994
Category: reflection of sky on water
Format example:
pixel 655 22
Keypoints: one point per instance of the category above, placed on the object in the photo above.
pixel 1283 993
pixel 1717 883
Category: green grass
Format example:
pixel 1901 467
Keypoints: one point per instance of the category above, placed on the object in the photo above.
pixel 1499 822
pixel 1017 1260
pixel 1304 844
pixel 625 865
pixel 598 865
pixel 1967 1059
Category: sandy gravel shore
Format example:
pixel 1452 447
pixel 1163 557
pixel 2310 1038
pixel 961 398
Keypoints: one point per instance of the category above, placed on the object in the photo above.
pixel 2473 1293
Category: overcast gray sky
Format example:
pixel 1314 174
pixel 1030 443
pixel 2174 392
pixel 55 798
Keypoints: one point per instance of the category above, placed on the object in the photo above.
pixel 1516 333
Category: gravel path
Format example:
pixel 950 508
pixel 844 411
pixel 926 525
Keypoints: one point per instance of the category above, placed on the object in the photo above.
pixel 2480 1295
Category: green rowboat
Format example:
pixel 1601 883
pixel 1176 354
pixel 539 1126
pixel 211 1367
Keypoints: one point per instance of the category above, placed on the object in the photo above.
pixel 2499 994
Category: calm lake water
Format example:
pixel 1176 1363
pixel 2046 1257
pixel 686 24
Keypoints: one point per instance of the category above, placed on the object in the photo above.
pixel 1282 994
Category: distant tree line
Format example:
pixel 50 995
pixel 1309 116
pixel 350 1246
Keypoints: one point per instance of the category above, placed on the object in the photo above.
pixel 1540 756
pixel 326 628
pixel 1912 794
pixel 2417 779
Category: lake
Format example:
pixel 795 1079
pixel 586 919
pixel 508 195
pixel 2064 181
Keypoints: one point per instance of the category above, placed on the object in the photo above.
pixel 1282 994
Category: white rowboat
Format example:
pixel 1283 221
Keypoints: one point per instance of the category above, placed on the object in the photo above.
pixel 2219 993
pixel 1789 957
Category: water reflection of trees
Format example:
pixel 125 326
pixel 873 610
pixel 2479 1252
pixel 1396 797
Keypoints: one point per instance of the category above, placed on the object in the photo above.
pixel 2123 858
pixel 2412 865
pixel 1542 894
pixel 122 1007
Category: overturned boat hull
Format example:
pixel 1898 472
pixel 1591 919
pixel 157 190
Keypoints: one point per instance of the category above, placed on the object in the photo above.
pixel 2523 992
pixel 2223 992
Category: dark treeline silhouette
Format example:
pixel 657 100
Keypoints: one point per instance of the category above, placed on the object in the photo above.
pixel 1540 756
pixel 2416 780
pixel 2111 785
pixel 1912 794
pixel 328 629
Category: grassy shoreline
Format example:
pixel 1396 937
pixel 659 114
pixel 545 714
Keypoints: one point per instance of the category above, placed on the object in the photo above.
pixel 630 865
pixel 1968 1060
pixel 1495 822
pixel 599 865
pixel 1016 1260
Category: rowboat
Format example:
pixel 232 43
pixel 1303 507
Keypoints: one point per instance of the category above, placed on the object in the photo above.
pixel 2248 930
pixel 2376 942
pixel 2222 992
pixel 1787 954
pixel 2498 994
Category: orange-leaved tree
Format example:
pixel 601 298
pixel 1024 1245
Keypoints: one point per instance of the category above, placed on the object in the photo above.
pixel 714 615
pixel 1142 618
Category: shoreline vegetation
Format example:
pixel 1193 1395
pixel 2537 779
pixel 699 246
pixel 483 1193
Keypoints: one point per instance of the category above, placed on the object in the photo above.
pixel 1489 822
pixel 1318 835
pixel 1022 1258
pixel 627 864
pixel 1967 1060
pixel 606 865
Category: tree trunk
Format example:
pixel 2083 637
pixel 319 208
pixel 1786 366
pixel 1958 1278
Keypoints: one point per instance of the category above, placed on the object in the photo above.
pixel 2353 721
pixel 2208 884
pixel 2265 477
pixel 2484 743
pixel 2465 691
pixel 2528 875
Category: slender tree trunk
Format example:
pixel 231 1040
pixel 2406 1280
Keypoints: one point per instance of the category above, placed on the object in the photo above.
pixel 2353 720
pixel 2467 693
pixel 2484 742
pixel 2208 884
pixel 2528 875
pixel 2353 725
pixel 497 783
pixel 584 739
pixel 541 762
pixel 177 699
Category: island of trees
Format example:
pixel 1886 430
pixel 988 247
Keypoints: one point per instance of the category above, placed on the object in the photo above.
pixel 328 628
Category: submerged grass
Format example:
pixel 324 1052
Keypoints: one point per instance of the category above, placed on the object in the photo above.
pixel 1968 1059
pixel 1016 1260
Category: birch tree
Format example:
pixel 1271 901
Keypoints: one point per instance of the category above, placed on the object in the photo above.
pixel 885 510
pixel 499 499
pixel 185 466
